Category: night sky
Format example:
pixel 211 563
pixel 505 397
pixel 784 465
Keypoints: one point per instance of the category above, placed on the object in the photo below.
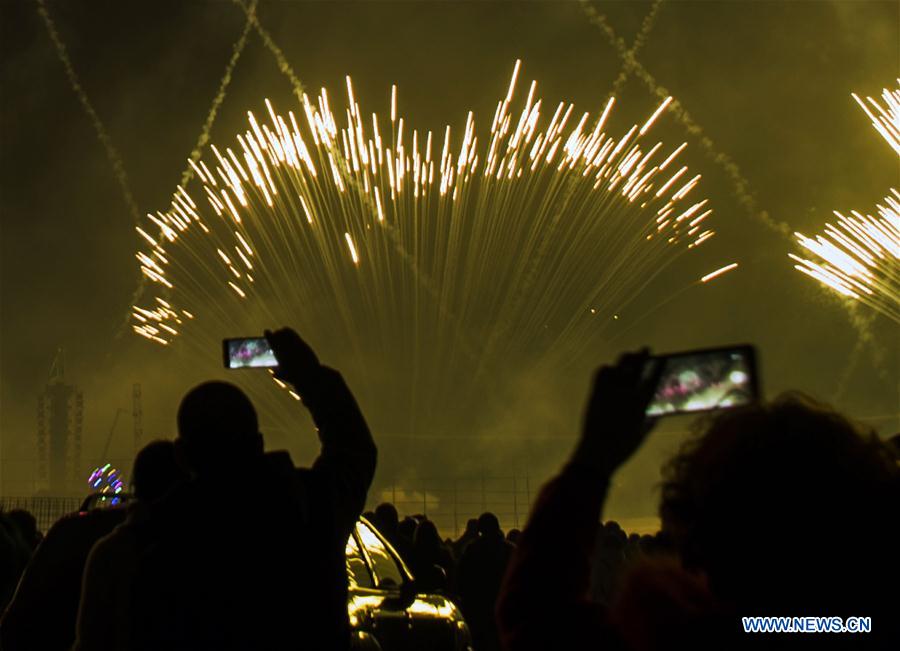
pixel 768 83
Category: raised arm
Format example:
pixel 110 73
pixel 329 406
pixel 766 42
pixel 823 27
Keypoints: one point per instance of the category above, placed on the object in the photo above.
pixel 348 455
pixel 21 623
pixel 544 602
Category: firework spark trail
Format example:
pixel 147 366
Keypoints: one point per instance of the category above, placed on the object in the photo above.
pixel 740 184
pixel 301 213
pixel 534 265
pixel 859 257
pixel 886 119
pixel 422 279
pixel 203 138
pixel 719 272
pixel 846 263
pixel 536 262
pixel 111 153
pixel 636 319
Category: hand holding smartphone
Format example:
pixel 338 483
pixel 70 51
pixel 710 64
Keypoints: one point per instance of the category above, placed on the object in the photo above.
pixel 628 397
pixel 248 352
pixel 291 358
pixel 703 380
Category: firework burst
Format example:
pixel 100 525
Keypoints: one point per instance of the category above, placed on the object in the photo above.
pixel 885 119
pixel 426 256
pixel 858 256
pixel 106 479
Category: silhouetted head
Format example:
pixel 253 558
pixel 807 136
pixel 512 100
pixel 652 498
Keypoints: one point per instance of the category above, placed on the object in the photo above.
pixel 386 518
pixel 472 526
pixel 489 525
pixel 894 445
pixel 512 536
pixel 613 540
pixel 426 538
pixel 156 471
pixel 407 527
pixel 217 428
pixel 752 502
pixel 26 523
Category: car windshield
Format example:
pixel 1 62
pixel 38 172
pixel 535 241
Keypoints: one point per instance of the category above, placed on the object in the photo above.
pixel 387 572
pixel 357 569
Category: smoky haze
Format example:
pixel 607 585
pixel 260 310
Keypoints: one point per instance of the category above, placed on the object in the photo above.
pixel 768 83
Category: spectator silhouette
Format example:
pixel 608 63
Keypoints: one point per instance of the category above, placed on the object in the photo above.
pixel 607 561
pixel 893 445
pixel 795 465
pixel 470 534
pixel 14 555
pixel 387 521
pixel 43 612
pixel 406 531
pixel 27 526
pixel 479 575
pixel 250 553
pixel 750 508
pixel 104 619
pixel 432 564
pixel 512 536
pixel 50 587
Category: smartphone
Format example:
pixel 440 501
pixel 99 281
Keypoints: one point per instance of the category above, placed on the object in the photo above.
pixel 702 380
pixel 248 352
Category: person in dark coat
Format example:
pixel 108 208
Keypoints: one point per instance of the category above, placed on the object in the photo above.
pixel 44 609
pixel 479 575
pixel 14 556
pixel 249 554
pixel 748 511
pixel 432 564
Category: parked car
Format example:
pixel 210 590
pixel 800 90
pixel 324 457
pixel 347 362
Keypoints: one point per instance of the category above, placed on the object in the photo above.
pixel 387 611
pixel 385 605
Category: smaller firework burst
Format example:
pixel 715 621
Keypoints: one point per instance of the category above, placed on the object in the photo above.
pixel 885 119
pixel 106 479
pixel 858 257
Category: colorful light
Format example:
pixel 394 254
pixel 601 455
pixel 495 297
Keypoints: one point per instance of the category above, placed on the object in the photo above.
pixel 106 479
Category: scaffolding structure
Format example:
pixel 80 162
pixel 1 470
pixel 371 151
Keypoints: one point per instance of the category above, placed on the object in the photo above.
pixel 60 413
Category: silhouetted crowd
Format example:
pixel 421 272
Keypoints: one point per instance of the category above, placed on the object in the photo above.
pixel 783 508
pixel 469 569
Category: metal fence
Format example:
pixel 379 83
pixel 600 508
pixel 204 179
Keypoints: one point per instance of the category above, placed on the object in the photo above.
pixel 450 503
pixel 46 510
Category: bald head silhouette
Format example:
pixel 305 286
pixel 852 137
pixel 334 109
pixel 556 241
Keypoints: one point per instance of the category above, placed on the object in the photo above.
pixel 217 427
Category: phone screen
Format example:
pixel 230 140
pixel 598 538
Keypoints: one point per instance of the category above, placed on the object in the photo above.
pixel 703 380
pixel 248 352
